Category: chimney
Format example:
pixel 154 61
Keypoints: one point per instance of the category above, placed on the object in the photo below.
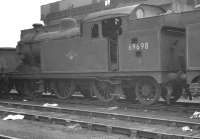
pixel 37 26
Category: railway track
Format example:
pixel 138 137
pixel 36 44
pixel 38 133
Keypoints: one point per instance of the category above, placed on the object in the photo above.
pixel 126 123
pixel 186 107
pixel 161 106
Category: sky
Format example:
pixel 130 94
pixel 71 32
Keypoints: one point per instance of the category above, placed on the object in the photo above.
pixel 18 15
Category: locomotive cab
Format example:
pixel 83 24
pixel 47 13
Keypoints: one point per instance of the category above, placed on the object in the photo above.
pixel 111 26
pixel 107 30
pixel 111 29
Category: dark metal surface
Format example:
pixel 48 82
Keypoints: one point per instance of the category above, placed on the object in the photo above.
pixel 9 60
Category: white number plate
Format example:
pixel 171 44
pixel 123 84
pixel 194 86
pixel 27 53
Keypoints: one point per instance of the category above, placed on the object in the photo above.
pixel 138 46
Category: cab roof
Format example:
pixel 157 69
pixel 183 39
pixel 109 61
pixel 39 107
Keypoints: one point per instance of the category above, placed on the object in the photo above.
pixel 116 12
pixel 122 11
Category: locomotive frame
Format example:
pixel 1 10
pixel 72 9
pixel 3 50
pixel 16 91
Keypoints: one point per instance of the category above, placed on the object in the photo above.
pixel 139 56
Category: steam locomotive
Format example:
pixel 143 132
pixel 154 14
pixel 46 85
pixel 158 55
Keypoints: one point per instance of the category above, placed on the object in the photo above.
pixel 138 51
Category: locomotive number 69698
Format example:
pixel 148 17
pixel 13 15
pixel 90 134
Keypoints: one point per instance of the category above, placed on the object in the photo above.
pixel 138 46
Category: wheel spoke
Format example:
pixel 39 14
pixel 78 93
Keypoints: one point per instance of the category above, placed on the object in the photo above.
pixel 103 91
pixel 64 89
pixel 86 91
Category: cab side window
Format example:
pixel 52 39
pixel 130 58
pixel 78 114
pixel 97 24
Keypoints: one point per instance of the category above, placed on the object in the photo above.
pixel 95 31
pixel 111 26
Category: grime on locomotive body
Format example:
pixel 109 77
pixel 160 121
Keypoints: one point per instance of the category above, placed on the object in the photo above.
pixel 136 50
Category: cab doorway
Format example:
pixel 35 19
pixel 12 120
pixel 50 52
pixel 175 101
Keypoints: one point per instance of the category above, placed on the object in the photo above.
pixel 111 29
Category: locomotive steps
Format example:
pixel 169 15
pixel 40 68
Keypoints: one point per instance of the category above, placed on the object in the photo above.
pixel 135 124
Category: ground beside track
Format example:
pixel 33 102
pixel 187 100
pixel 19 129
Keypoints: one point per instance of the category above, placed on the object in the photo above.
pixel 26 129
pixel 159 127
pixel 150 131
pixel 174 114
pixel 58 130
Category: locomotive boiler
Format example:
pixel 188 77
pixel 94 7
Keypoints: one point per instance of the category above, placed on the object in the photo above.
pixel 29 47
pixel 137 51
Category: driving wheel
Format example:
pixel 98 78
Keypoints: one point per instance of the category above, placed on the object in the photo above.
pixel 147 91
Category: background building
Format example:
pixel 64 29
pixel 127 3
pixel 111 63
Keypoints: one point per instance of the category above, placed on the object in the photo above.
pixel 50 13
